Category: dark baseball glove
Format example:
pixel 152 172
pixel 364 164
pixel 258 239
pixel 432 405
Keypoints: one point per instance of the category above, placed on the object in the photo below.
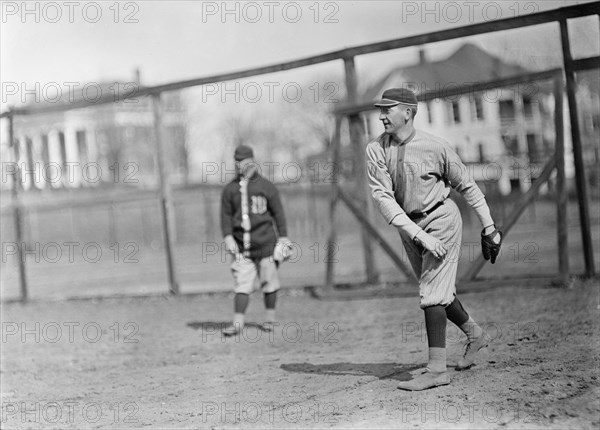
pixel 490 244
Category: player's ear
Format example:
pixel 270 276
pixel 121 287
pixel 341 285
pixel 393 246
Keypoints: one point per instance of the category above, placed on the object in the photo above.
pixel 407 115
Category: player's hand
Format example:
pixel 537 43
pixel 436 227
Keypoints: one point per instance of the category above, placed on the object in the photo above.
pixel 431 244
pixel 489 230
pixel 283 249
pixel 231 245
pixel 284 241
pixel 491 241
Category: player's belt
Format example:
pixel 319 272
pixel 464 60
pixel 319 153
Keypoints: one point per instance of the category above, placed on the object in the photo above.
pixel 417 215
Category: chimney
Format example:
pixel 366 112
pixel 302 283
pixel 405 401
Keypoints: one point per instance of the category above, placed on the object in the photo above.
pixel 136 76
pixel 422 58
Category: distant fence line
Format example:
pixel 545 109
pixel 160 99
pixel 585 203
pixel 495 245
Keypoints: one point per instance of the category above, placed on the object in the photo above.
pixel 196 215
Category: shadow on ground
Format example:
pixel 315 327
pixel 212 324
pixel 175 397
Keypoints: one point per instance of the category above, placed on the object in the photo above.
pixel 218 325
pixel 395 371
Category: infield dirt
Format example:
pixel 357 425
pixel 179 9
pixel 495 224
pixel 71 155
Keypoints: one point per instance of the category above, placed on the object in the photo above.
pixel 162 363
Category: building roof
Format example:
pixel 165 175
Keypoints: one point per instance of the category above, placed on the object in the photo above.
pixel 92 95
pixel 468 64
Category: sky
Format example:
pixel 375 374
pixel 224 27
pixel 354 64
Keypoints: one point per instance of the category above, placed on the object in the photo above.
pixel 62 43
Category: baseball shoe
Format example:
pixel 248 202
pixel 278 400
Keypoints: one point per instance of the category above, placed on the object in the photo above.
pixel 471 351
pixel 418 371
pixel 425 380
pixel 231 330
pixel 268 326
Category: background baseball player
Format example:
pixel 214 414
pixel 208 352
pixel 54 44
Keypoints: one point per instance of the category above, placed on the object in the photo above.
pixel 252 223
pixel 410 175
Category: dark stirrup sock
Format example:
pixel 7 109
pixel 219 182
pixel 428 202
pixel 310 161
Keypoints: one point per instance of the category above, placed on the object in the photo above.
pixel 435 323
pixel 456 313
pixel 270 300
pixel 240 303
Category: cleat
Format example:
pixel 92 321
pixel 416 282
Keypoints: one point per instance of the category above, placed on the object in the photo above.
pixel 424 381
pixel 230 330
pixel 471 351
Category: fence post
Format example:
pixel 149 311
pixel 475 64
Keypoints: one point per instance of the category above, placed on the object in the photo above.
pixel 112 224
pixel 17 214
pixel 584 214
pixel 357 137
pixel 166 204
pixel 561 188
pixel 209 223
pixel 333 199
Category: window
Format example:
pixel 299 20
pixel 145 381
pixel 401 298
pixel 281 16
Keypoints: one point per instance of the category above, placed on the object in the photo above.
pixel 29 172
pixel 62 149
pixel 45 153
pixel 455 112
pixel 507 109
pixel 511 144
pixel 527 106
pixel 482 157
pixel 82 149
pixel 29 153
pixel 429 115
pixel 533 150
pixel 515 185
pixel 477 108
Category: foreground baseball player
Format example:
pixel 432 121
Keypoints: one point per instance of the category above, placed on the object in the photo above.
pixel 252 223
pixel 410 174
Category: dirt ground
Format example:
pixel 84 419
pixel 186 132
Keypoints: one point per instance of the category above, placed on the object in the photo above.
pixel 162 363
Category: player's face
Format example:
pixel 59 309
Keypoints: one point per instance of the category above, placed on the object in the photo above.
pixel 393 118
pixel 245 166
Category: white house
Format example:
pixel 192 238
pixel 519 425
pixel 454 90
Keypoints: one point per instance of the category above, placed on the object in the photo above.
pixel 97 145
pixel 501 133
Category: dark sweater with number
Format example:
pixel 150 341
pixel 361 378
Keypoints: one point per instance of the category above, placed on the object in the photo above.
pixel 267 219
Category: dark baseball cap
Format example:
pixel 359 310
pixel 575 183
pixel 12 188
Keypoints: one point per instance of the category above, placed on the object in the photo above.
pixel 396 96
pixel 242 152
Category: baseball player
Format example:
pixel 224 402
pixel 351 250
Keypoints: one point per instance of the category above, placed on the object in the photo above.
pixel 252 223
pixel 410 174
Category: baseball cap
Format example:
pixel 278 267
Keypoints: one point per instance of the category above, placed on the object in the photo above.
pixel 242 152
pixel 396 96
